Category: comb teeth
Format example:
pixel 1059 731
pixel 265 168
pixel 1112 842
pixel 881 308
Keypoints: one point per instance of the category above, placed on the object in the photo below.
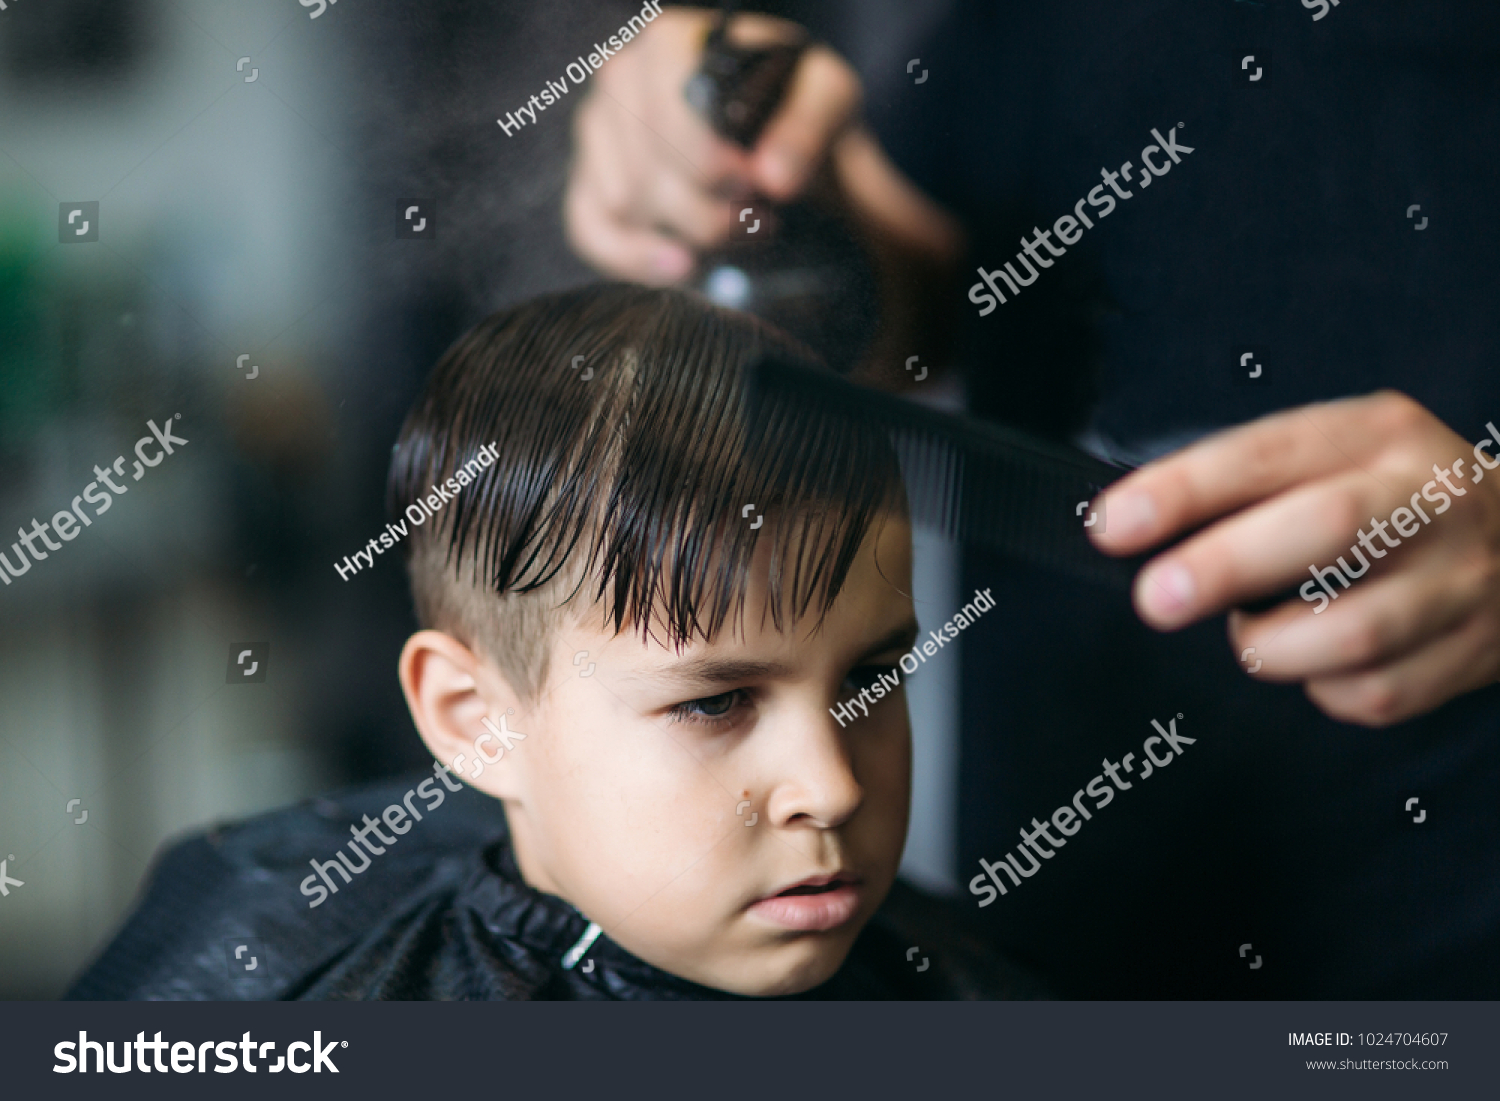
pixel 979 484
pixel 931 468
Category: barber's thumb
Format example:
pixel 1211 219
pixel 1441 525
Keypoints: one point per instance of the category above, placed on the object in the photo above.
pixel 822 99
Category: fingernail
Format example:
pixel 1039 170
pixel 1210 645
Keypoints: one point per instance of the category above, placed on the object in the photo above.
pixel 1168 593
pixel 1131 514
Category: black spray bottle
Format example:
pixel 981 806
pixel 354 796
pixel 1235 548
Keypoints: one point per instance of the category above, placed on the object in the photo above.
pixel 805 271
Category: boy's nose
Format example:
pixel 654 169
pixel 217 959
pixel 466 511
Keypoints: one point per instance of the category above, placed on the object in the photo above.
pixel 817 787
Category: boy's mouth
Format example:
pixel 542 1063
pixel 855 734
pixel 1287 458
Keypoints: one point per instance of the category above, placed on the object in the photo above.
pixel 814 904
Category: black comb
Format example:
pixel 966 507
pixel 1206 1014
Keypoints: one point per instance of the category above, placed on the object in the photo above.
pixel 984 484
pixel 980 484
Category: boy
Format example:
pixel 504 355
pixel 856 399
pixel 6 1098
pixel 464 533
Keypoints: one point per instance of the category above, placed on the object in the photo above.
pixel 640 596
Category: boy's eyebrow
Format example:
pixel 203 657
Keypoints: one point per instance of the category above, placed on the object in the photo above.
pixel 902 637
pixel 710 671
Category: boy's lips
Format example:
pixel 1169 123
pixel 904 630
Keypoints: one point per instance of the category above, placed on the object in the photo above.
pixel 813 904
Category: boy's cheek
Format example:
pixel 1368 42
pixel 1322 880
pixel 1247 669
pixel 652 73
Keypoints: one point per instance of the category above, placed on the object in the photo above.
pixel 882 761
pixel 633 805
pixel 663 860
pixel 882 765
pixel 596 739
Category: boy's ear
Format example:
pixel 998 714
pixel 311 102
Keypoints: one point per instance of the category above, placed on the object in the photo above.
pixel 450 690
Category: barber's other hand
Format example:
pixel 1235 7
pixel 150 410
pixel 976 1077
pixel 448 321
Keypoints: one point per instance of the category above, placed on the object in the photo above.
pixel 652 185
pixel 1299 488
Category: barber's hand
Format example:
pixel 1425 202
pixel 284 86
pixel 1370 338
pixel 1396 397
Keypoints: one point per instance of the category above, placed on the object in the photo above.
pixel 652 184
pixel 1297 489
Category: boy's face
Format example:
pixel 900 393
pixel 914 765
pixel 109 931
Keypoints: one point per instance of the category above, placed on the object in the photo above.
pixel 704 807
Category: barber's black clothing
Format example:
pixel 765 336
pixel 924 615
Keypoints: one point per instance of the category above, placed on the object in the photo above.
pixel 1286 232
pixel 443 914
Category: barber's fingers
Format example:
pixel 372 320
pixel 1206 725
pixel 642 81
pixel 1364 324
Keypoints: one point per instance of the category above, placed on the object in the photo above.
pixel 642 114
pixel 1466 658
pixel 890 207
pixel 650 176
pixel 1379 619
pixel 679 205
pixel 823 97
pixel 1257 551
pixel 647 172
pixel 614 246
pixel 1245 464
pixel 649 231
pixel 652 183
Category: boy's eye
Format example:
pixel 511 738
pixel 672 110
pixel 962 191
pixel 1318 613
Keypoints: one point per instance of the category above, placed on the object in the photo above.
pixel 709 708
pixel 863 676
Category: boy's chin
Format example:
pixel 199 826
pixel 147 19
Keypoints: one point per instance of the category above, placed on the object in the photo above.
pixel 794 968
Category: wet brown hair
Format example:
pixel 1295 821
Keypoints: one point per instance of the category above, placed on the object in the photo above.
pixel 628 447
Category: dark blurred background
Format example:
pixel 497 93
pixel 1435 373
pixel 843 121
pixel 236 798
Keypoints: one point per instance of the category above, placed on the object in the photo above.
pixel 249 208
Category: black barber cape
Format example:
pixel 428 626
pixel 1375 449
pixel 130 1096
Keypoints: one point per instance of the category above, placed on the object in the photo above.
pixel 444 914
